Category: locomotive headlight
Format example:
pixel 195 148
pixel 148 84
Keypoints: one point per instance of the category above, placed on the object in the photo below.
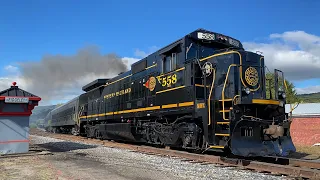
pixel 283 95
pixel 247 90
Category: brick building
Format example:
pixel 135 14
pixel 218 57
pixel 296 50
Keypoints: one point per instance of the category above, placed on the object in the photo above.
pixel 305 127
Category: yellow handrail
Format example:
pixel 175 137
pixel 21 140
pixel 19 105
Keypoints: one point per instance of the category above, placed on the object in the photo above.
pixel 234 99
pixel 285 84
pixel 210 94
pixel 224 86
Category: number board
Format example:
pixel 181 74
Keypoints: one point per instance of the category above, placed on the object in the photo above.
pixel 16 100
pixel 206 36
pixel 234 42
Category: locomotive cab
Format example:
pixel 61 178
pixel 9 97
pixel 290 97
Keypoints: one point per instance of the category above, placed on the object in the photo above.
pixel 240 108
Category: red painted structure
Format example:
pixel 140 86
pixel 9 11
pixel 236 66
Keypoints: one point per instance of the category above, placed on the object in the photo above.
pixel 16 106
pixel 305 130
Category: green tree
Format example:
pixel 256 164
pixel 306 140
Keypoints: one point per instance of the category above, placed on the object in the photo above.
pixel 39 121
pixel 59 104
pixel 291 94
pixel 33 125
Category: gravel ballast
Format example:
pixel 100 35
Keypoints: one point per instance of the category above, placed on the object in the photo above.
pixel 132 165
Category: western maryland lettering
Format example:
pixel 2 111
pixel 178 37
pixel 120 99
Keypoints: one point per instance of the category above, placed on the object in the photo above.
pixel 118 93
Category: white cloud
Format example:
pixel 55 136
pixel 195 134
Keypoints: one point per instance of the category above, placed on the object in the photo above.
pixel 11 68
pixel 307 90
pixel 296 53
pixel 142 54
pixel 129 61
pixel 6 82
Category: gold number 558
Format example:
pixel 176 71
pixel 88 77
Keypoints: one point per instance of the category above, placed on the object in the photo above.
pixel 168 80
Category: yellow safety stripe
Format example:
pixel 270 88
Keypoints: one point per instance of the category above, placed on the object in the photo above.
pixel 223 122
pixel 184 104
pixel 169 106
pixel 265 101
pixel 201 85
pixel 217 147
pixel 166 90
pixel 177 70
pixel 151 66
pixel 218 134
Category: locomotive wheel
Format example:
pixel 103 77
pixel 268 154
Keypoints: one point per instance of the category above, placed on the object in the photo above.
pixel 74 131
pixel 202 145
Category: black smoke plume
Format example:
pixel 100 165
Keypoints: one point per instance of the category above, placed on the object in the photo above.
pixel 57 77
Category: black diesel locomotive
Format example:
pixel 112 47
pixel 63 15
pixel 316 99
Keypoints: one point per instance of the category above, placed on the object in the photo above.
pixel 202 92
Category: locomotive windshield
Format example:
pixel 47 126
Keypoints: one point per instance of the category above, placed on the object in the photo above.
pixel 204 49
pixel 201 45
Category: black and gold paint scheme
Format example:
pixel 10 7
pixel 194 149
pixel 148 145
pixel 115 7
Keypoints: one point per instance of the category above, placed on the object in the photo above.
pixel 193 94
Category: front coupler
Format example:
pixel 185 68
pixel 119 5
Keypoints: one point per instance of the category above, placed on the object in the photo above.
pixel 251 138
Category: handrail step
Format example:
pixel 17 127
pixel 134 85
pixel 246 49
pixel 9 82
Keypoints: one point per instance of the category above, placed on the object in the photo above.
pixel 225 100
pixel 223 123
pixel 222 134
pixel 227 110
pixel 217 147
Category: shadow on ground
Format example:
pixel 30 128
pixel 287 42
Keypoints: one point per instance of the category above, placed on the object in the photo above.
pixel 298 155
pixel 64 146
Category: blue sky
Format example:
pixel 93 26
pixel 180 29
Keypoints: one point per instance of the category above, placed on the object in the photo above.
pixel 31 29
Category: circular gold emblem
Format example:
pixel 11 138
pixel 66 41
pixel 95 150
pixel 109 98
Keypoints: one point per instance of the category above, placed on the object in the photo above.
pixel 152 83
pixel 252 76
pixel 207 68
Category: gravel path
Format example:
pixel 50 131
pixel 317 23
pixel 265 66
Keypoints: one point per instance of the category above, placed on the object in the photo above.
pixel 123 164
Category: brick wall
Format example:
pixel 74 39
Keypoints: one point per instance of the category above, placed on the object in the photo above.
pixel 305 131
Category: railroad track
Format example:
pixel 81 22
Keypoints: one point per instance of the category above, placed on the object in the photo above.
pixel 293 168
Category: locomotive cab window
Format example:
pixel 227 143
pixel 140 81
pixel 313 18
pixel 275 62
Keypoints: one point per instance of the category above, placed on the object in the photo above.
pixel 191 51
pixel 169 63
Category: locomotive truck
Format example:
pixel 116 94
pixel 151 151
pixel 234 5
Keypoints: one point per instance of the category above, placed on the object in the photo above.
pixel 202 92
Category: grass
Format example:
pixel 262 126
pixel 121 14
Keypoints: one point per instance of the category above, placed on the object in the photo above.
pixel 314 150
pixel 28 168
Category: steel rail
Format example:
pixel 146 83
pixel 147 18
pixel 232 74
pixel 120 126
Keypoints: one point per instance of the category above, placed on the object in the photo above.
pixel 283 166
